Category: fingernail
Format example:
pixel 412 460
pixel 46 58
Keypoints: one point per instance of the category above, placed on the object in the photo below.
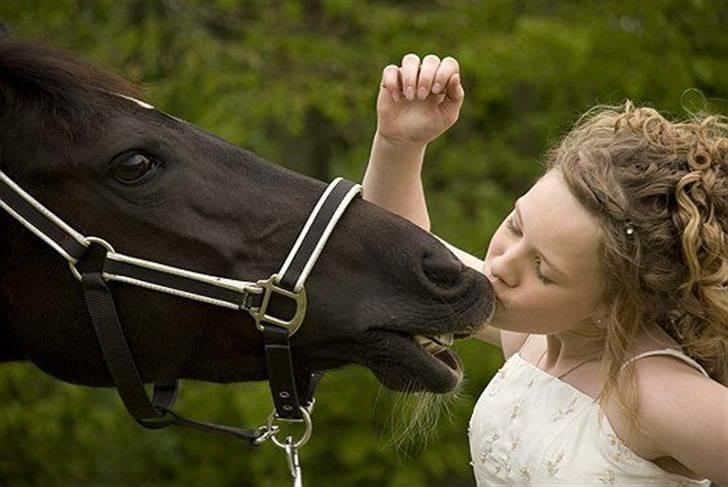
pixel 422 93
pixel 437 88
pixel 410 93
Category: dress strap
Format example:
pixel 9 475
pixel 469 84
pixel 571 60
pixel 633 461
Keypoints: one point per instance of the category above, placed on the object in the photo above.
pixel 668 351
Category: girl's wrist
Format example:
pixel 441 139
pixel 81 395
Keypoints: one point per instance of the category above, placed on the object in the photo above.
pixel 403 149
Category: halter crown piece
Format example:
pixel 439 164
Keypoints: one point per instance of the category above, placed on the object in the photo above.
pixel 252 297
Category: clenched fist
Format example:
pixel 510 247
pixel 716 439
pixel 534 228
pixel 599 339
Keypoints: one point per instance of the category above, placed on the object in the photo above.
pixel 418 101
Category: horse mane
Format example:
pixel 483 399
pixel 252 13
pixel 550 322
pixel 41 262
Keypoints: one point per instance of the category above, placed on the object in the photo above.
pixel 45 87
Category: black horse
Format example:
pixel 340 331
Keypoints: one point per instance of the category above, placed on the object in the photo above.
pixel 164 190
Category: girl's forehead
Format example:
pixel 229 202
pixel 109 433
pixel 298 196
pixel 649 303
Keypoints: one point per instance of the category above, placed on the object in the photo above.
pixel 559 226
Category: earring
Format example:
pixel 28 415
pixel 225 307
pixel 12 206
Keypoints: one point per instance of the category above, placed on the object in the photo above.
pixel 629 228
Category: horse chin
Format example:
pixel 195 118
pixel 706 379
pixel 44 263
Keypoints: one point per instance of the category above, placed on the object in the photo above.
pixel 411 368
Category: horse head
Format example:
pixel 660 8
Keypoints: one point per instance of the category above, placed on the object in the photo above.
pixel 165 190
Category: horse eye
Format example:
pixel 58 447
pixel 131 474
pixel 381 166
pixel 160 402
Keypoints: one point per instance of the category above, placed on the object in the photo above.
pixel 132 168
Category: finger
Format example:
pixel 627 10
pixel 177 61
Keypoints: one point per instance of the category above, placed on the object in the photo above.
pixel 448 67
pixel 391 82
pixel 409 69
pixel 454 91
pixel 427 74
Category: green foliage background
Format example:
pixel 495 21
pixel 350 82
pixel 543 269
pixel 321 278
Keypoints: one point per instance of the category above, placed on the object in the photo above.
pixel 295 81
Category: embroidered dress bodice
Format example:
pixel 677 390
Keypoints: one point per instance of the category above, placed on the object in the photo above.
pixel 530 428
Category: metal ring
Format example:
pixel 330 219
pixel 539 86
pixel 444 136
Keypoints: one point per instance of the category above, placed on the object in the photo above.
pixel 265 434
pixel 90 240
pixel 306 434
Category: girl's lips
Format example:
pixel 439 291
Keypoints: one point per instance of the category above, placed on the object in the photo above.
pixel 497 286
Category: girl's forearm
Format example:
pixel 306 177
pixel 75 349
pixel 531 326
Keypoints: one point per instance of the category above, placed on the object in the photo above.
pixel 393 180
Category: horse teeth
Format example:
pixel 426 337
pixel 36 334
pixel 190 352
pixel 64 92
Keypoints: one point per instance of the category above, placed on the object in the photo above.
pixel 435 344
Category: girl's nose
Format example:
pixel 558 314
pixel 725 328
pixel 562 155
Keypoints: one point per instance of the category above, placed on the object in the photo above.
pixel 504 267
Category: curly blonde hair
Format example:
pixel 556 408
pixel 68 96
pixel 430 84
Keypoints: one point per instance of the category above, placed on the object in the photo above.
pixel 660 190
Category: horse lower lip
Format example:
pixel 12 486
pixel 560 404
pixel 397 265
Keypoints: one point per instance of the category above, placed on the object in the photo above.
pixel 448 358
pixel 412 367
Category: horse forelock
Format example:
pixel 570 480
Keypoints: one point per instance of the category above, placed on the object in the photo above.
pixel 46 88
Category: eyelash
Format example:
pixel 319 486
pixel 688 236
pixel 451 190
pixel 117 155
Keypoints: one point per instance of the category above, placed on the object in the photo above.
pixel 512 228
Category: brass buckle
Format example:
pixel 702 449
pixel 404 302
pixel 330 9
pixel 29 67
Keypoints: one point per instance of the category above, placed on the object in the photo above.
pixel 270 286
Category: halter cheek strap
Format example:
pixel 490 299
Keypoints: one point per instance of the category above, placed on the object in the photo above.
pixel 293 275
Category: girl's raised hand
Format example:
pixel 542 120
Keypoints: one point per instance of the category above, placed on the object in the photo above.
pixel 418 101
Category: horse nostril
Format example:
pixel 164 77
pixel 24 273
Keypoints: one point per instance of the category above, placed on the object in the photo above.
pixel 443 269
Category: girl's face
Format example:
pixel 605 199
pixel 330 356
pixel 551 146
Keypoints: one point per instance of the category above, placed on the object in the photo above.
pixel 543 262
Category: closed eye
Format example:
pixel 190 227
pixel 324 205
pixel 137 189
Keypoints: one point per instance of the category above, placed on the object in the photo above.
pixel 511 226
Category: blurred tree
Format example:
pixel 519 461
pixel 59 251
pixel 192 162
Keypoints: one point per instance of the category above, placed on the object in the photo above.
pixel 295 81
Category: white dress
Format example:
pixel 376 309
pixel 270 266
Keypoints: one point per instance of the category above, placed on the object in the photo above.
pixel 530 428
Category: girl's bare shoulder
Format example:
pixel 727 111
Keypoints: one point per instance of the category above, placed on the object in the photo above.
pixel 672 394
pixel 684 416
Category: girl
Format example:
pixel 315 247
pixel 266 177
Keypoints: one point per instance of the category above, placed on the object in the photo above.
pixel 611 275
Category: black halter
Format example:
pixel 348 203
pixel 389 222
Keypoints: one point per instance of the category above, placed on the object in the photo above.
pixel 94 262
